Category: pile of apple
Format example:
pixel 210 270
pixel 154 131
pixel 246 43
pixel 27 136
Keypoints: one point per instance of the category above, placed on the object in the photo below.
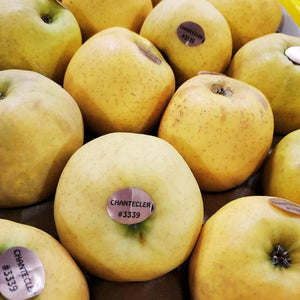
pixel 126 114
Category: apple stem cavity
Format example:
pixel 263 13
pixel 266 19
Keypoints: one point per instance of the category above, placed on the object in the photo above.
pixel 280 257
pixel 219 89
pixel 46 18
pixel 293 54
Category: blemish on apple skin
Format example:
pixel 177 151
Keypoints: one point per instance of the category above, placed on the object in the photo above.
pixel 262 100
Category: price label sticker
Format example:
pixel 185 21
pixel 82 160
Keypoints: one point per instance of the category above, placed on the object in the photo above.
pixel 191 34
pixel 285 205
pixel 22 274
pixel 130 206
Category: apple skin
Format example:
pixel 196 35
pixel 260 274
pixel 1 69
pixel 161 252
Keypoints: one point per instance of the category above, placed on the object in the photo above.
pixel 281 172
pixel 214 54
pixel 262 63
pixel 41 126
pixel 224 139
pixel 115 251
pixel 29 43
pixel 94 16
pixel 63 278
pixel 249 19
pixel 231 259
pixel 116 85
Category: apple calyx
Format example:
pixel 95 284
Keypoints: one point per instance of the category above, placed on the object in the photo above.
pixel 293 54
pixel 219 89
pixel 47 18
pixel 2 96
pixel 280 257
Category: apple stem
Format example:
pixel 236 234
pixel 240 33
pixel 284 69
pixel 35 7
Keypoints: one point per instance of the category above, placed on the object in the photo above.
pixel 280 257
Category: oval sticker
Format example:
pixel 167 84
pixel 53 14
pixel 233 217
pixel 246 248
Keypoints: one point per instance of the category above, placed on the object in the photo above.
pixel 191 34
pixel 22 274
pixel 130 206
pixel 285 205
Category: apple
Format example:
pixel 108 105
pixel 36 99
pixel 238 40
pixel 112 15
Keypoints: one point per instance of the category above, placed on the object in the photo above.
pixel 249 249
pixel 221 126
pixel 127 207
pixel 249 19
pixel 193 35
pixel 32 261
pixel 94 16
pixel 120 81
pixel 38 35
pixel 281 172
pixel 271 63
pixel 41 126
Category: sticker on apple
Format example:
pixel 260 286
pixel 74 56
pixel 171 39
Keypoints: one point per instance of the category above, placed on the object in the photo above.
pixel 22 274
pixel 191 34
pixel 130 206
pixel 285 205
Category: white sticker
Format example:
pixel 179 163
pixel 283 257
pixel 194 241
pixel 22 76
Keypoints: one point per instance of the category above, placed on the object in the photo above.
pixel 293 53
pixel 285 205
pixel 130 206
pixel 22 274
pixel 191 34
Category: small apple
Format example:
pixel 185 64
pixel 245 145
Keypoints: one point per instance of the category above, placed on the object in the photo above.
pixel 94 16
pixel 127 207
pixel 37 35
pixel 249 249
pixel 221 126
pixel 249 19
pixel 281 172
pixel 271 63
pixel 32 261
pixel 40 128
pixel 120 81
pixel 193 35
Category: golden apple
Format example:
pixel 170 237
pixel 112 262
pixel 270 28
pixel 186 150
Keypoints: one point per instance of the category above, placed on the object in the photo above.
pixel 40 128
pixel 127 207
pixel 37 35
pixel 193 35
pixel 249 249
pixel 94 16
pixel 271 63
pixel 249 19
pixel 120 81
pixel 62 276
pixel 281 173
pixel 221 126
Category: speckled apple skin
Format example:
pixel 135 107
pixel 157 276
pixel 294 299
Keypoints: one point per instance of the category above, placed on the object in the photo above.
pixel 224 139
pixel 232 258
pixel 116 251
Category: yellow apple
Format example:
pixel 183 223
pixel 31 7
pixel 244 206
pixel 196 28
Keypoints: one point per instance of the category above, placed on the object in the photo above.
pixel 120 81
pixel 63 277
pixel 221 126
pixel 40 128
pixel 94 16
pixel 269 64
pixel 193 35
pixel 281 173
pixel 249 249
pixel 249 19
pixel 105 232
pixel 37 35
